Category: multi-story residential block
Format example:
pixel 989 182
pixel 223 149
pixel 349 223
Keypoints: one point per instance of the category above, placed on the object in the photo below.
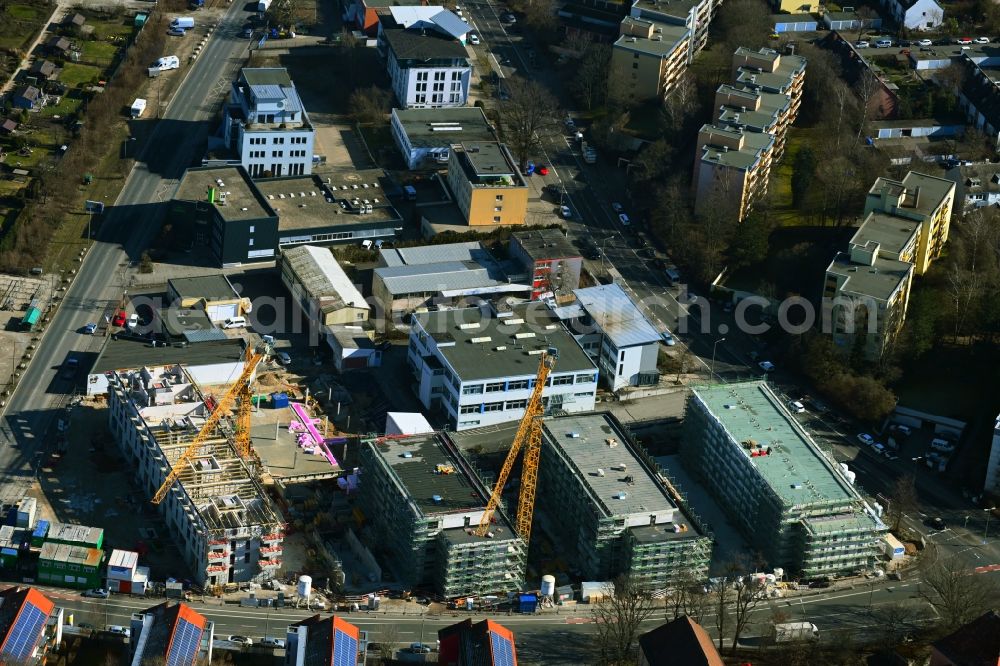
pixel 218 514
pixel 479 368
pixel 553 262
pixel 487 185
pixel 928 200
pixel 610 510
pixel 267 125
pixel 423 504
pixel 175 634
pixel 914 14
pixel 428 69
pixel 694 15
pixel 793 504
pixel 647 59
pixel 732 171
pixel 332 641
pixel 734 167
pixel 30 626
pixel 613 330
pixel 425 136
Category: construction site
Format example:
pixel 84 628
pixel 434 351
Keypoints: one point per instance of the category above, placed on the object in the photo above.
pixel 200 469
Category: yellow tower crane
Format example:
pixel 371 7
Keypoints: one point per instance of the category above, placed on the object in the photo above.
pixel 240 390
pixel 529 436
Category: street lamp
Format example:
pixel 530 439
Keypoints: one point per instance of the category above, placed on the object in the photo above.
pixel 986 532
pixel 714 345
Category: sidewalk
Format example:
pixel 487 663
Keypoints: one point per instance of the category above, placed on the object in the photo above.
pixel 29 54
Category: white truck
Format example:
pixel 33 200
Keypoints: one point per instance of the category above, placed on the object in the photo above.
pixel 788 632
pixel 138 108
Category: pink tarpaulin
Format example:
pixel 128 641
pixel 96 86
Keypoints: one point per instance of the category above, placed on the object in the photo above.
pixel 311 433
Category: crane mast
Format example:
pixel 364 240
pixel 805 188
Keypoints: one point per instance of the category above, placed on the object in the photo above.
pixel 529 437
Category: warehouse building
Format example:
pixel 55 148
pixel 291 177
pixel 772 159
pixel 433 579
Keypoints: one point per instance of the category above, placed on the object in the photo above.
pixel 217 511
pixel 242 221
pixel 789 500
pixel 214 294
pixel 425 136
pixel 422 503
pixel 609 508
pixel 478 367
pixel 30 626
pixel 320 286
pixel 177 634
pixel 330 642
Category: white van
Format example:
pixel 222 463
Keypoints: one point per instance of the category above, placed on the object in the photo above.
pixel 235 322
pixel 166 63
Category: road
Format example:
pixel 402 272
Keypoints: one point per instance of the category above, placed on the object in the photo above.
pixel 127 229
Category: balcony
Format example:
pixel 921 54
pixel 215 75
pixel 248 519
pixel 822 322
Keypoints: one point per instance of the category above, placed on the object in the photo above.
pixel 216 568
pixel 219 542
pixel 269 564
pixel 274 536
pixel 271 550
pixel 218 554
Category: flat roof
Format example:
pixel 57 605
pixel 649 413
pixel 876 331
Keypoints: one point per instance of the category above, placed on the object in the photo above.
pixel 125 353
pixel 435 254
pixel 670 38
pixel 64 552
pixel 879 281
pixel 322 277
pixel 487 158
pixel 932 190
pixel 892 233
pixel 430 470
pixel 754 143
pixel 793 18
pixel 307 202
pixel 676 8
pixel 76 533
pixel 592 442
pixel 545 244
pixel 426 128
pixel 504 345
pixel 617 315
pixel 242 200
pixel 215 287
pixel 445 276
pixel 796 470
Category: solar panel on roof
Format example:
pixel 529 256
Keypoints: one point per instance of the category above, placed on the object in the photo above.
pixel 185 644
pixel 25 633
pixel 345 649
pixel 503 651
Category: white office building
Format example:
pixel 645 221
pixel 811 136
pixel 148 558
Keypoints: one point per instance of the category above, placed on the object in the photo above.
pixel 428 69
pixel 267 125
pixel 477 367
pixel 612 329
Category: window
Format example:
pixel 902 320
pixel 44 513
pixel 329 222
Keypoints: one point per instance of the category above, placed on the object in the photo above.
pixel 438 87
pixel 439 76
pixel 251 242
pixel 420 99
pixel 468 424
pixel 474 389
pixel 493 387
pixel 496 218
pixel 421 76
pixel 517 404
pixel 562 381
pixel 456 97
pixel 635 65
pixel 277 153
pixel 469 409
pixel 499 197
pixel 437 98
pixel 493 407
pixel 519 385
pixel 456 76
pixel 421 87
pixel 252 228
pixel 583 379
pixel 455 87
pixel 497 209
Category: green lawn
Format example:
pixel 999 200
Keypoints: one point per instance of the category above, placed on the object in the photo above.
pixel 27 12
pixel 38 154
pixel 74 74
pixel 19 23
pixel 99 53
pixel 66 106
pixel 107 29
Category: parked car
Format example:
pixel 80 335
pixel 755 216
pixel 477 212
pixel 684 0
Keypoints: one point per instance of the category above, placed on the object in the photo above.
pixel 283 358
pixel 133 321
pixel 796 407
pixel 565 212
pixel 474 39
pixel 70 367
pixel 97 593
pixel 883 43
pixel 901 429
pixel 964 41
pixel 924 42
pixel 89 329
pixel 866 439
pixel 240 640
pixel 942 445
pixel 668 339
pixel 936 522
pixel 419 648
pixel 176 32
pixel 272 642
pixel 879 449
pixel 247 31
pixel 120 318
pixel 766 366
pixel 623 218
pixel 543 170
pixel 508 18
pixel 617 207
pixel 119 630
pixel 981 40
pixel 861 44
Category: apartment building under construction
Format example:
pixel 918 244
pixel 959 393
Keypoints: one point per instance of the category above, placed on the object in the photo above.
pixel 217 511
pixel 423 504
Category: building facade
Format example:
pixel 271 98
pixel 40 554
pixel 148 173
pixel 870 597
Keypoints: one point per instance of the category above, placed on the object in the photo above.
pixel 266 124
pixel 423 504
pixel 218 514
pixel 610 510
pixel 427 69
pixel 332 641
pixel 647 60
pixel 791 502
pixel 478 368
pixel 992 484
pixel 487 185
pixel 553 262
pixel 176 633
pixel 320 286
pixel 693 15
pixel 425 136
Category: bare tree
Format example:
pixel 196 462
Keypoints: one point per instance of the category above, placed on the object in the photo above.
pixel 681 101
pixel 388 638
pixel 525 116
pixel 370 105
pixel 896 620
pixel 866 87
pixel 590 85
pixel 902 498
pixel 624 607
pixel 686 597
pixel 720 591
pixel 955 591
pixel 749 591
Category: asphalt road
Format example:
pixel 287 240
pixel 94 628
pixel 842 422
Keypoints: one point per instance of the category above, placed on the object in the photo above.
pixel 128 227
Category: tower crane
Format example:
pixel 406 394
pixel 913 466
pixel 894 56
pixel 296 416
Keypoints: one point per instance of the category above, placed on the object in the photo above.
pixel 239 390
pixel 529 436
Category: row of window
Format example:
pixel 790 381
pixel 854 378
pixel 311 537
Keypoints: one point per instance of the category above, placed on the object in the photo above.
pixel 278 140
pixel 438 98
pixel 523 384
pixel 440 75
